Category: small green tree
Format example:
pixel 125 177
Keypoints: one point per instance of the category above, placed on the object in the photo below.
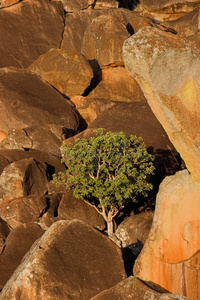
pixel 108 171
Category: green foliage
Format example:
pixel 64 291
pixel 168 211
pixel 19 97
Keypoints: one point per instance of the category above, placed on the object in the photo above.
pixel 108 170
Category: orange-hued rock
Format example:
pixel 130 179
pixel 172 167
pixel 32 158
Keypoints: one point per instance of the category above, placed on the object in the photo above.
pixel 116 84
pixel 28 30
pixel 103 40
pixel 89 108
pixel 68 71
pixel 70 261
pixel 6 3
pixel 171 254
pixel 167 67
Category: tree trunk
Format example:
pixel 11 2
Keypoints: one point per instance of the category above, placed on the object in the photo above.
pixel 110 227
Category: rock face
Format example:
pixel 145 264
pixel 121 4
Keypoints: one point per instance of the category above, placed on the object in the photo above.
pixel 172 92
pixel 68 71
pixel 103 41
pixel 170 256
pixel 71 269
pixel 35 27
pixel 27 101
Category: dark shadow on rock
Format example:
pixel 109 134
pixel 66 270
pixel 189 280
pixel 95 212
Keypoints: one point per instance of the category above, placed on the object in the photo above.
pixel 129 254
pixel 96 79
pixel 130 4
pixel 130 29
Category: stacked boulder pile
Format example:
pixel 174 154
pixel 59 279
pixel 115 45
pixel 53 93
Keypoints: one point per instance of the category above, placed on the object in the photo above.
pixel 68 68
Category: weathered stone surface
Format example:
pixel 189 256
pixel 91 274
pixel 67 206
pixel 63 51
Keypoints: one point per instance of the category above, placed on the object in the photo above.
pixel 116 84
pixel 17 244
pixel 6 3
pixel 23 178
pixel 16 212
pixel 128 289
pixel 77 23
pixel 28 30
pixel 27 101
pixel 72 6
pixel 68 71
pixel 105 4
pixel 170 256
pixel 103 40
pixel 89 108
pixel 169 78
pixel 135 227
pixel 80 210
pixel 70 261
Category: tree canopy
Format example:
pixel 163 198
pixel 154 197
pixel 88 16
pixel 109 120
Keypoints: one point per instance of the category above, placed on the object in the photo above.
pixel 108 170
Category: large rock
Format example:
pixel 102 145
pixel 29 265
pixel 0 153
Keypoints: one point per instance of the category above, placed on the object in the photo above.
pixel 23 178
pixel 68 71
pixel 116 84
pixel 16 246
pixel 167 68
pixel 19 211
pixel 80 210
pixel 103 40
pixel 71 261
pixel 171 256
pixel 135 227
pixel 72 6
pixel 77 23
pixel 27 101
pixel 28 30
